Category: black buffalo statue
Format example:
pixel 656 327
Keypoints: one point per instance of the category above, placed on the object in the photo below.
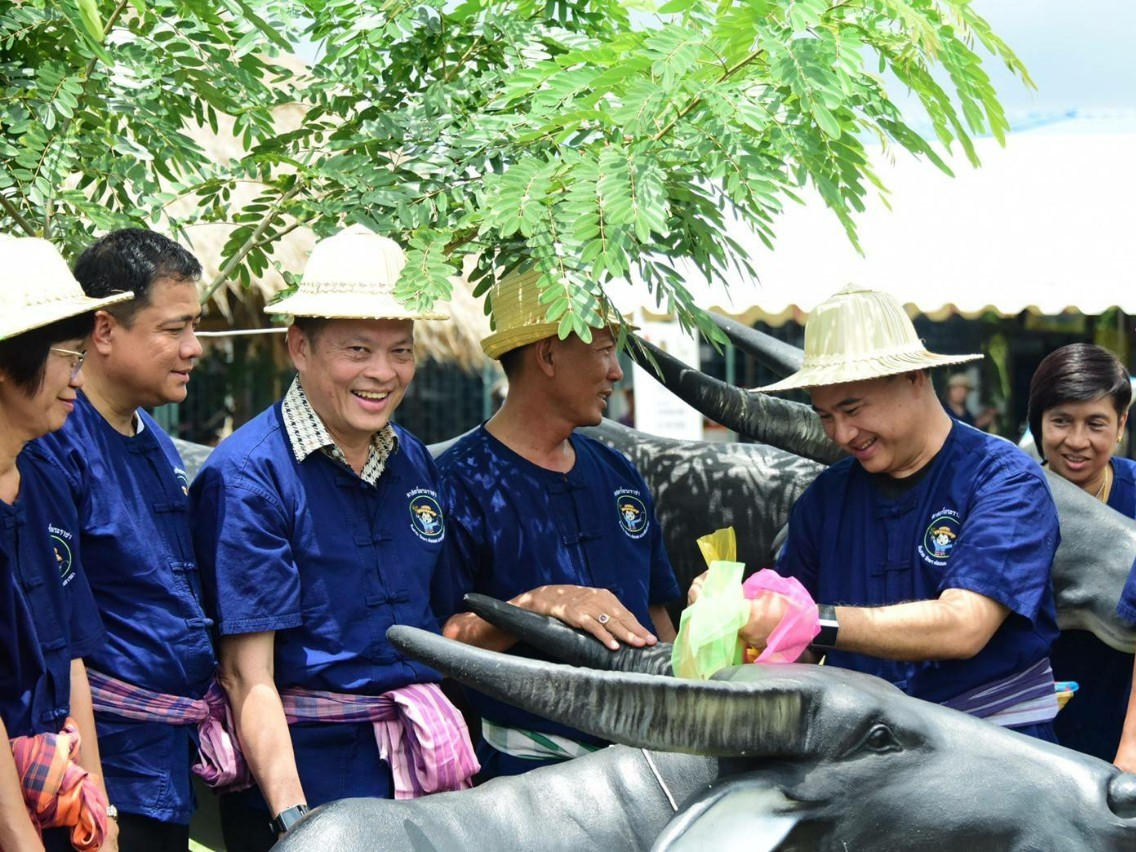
pixel 790 757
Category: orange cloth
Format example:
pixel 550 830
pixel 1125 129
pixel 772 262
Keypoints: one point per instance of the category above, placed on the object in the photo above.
pixel 57 790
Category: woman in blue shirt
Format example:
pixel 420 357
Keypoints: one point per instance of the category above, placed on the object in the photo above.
pixel 48 619
pixel 1078 407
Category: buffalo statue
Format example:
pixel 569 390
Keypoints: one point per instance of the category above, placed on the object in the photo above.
pixel 789 757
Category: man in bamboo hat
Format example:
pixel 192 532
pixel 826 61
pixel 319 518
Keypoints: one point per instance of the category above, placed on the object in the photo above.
pixel 930 547
pixel 549 519
pixel 318 525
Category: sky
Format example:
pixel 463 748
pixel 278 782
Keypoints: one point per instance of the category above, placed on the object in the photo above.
pixel 1079 53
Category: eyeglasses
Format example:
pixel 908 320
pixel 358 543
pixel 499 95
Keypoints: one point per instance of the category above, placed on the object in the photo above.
pixel 77 358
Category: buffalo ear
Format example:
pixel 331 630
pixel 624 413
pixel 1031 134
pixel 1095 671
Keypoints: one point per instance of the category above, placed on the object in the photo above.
pixel 737 814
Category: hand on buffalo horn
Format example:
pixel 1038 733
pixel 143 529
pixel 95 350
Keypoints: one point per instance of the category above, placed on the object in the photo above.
pixel 597 611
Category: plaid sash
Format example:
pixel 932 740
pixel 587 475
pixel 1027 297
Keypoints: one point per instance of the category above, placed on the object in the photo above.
pixel 219 761
pixel 57 791
pixel 420 734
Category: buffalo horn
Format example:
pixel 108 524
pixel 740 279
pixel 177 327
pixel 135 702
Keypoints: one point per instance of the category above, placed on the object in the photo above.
pixel 781 423
pixel 668 714
pixel 780 357
pixel 567 643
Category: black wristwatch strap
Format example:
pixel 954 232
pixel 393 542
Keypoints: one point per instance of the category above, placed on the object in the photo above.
pixel 288 818
pixel 829 627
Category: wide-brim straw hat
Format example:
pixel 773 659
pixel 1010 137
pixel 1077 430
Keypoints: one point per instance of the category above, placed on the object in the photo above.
pixel 352 275
pixel 860 334
pixel 37 288
pixel 519 318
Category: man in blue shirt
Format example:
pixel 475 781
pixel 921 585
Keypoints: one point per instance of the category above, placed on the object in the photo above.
pixel 129 486
pixel 318 525
pixel 929 549
pixel 549 519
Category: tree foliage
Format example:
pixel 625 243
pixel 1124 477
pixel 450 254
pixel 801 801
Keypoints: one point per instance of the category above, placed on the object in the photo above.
pixel 593 141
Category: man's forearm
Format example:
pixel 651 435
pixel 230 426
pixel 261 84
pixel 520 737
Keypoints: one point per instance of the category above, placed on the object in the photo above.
pixel 956 626
pixel 472 629
pixel 262 731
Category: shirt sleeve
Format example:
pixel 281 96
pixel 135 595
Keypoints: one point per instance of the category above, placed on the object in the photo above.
pixel 457 563
pixel 1007 541
pixel 241 538
pixel 664 584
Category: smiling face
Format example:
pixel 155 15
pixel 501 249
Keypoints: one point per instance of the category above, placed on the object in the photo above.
pixel 355 373
pixel 586 374
pixel 883 423
pixel 28 416
pixel 148 362
pixel 1078 438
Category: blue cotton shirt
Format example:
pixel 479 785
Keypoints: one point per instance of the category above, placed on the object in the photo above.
pixel 329 562
pixel 132 497
pixel 981 519
pixel 516 526
pixel 47 614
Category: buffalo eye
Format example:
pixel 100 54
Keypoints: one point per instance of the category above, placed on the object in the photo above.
pixel 880 739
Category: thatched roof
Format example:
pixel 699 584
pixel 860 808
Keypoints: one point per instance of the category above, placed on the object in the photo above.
pixel 454 341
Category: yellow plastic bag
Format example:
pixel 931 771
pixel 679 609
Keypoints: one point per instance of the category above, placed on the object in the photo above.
pixel 708 632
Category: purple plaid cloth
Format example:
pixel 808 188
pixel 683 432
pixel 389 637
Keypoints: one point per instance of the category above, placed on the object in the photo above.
pixel 421 735
pixel 219 760
pixel 1034 684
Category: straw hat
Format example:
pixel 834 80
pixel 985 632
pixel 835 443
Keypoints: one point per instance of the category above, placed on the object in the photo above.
pixel 519 317
pixel 37 288
pixel 352 275
pixel 860 334
pixel 960 380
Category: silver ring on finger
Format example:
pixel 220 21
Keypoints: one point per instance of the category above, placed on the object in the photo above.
pixel 604 618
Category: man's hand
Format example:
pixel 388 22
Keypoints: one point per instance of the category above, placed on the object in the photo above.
pixel 597 611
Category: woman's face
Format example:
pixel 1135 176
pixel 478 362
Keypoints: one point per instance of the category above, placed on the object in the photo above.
pixel 1078 438
pixel 46 410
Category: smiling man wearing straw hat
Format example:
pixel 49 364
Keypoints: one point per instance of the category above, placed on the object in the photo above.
pixel 318 525
pixel 967 625
pixel 549 519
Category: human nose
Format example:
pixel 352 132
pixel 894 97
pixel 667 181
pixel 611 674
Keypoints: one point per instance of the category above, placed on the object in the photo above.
pixel 1078 436
pixel 843 430
pixel 191 347
pixel 615 372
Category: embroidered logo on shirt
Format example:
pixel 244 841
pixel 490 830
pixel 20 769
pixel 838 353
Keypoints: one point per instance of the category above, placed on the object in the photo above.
pixel 426 515
pixel 939 539
pixel 63 558
pixel 182 480
pixel 633 516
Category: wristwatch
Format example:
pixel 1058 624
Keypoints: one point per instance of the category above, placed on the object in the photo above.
pixel 288 818
pixel 112 812
pixel 829 627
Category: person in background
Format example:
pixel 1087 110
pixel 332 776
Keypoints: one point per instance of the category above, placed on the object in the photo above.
pixel 929 548
pixel 549 519
pixel 1078 408
pixel 318 525
pixel 48 619
pixel 130 488
pixel 959 387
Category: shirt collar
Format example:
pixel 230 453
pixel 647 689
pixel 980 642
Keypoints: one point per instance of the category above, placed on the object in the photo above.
pixel 308 434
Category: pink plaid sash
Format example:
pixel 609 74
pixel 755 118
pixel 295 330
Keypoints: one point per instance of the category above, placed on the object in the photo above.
pixel 420 734
pixel 59 792
pixel 219 760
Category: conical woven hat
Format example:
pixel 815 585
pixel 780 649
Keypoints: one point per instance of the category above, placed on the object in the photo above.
pixel 352 275
pixel 519 316
pixel 860 334
pixel 37 288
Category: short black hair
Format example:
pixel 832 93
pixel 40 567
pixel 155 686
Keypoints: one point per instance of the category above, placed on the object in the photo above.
pixel 1079 372
pixel 23 357
pixel 312 327
pixel 133 259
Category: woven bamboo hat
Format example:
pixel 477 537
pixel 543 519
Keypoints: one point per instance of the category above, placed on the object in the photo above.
pixel 519 316
pixel 860 334
pixel 352 275
pixel 37 288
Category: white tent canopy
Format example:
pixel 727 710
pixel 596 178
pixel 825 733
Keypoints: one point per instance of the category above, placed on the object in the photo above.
pixel 1044 225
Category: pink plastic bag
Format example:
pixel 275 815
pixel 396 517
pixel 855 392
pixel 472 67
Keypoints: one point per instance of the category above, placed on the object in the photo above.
pixel 799 625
